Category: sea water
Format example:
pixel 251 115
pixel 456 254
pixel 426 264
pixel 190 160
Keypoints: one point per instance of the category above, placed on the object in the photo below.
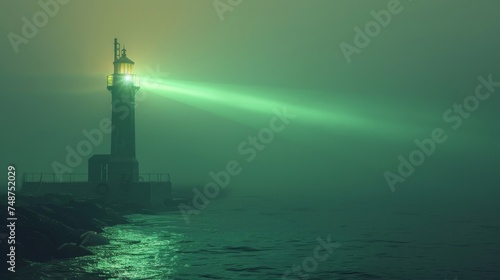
pixel 251 237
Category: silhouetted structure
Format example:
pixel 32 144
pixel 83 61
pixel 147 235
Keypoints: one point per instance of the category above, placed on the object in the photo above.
pixel 114 176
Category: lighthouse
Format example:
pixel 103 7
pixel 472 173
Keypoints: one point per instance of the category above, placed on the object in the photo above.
pixel 112 177
pixel 123 85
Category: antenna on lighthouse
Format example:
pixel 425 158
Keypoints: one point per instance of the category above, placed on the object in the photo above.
pixel 117 50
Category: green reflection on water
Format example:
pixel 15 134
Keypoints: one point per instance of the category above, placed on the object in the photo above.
pixel 135 252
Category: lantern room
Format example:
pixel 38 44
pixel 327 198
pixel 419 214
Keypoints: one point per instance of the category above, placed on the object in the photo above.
pixel 123 70
pixel 124 65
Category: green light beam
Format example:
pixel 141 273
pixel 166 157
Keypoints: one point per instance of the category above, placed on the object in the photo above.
pixel 236 102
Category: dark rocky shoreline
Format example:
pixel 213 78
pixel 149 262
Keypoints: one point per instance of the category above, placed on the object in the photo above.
pixel 56 226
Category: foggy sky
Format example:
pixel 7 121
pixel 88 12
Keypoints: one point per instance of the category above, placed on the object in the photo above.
pixel 398 87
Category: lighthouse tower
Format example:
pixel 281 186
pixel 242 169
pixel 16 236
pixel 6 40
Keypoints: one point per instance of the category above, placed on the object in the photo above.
pixel 115 176
pixel 123 167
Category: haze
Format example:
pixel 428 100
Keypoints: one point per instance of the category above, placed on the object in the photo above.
pixel 352 120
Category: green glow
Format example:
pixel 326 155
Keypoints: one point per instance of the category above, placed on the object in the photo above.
pixel 237 102
pixel 150 255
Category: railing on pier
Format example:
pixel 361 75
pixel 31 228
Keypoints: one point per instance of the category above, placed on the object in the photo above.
pixel 53 177
pixel 154 177
pixel 83 177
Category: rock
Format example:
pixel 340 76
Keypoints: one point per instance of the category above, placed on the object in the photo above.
pixel 56 231
pixel 59 214
pixel 35 246
pixel 71 250
pixel 92 238
pixel 99 223
pixel 31 243
pixel 56 198
pixel 30 215
pixel 113 218
pixel 51 226
pixel 47 211
pixel 148 212
pixel 88 208
pixel 74 218
pixel 126 207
